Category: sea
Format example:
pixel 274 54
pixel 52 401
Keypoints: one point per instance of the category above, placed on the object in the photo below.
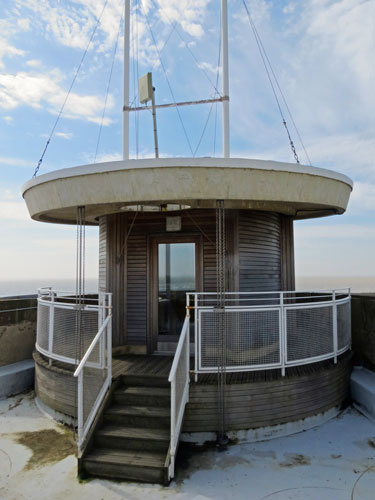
pixel 359 284
pixel 11 288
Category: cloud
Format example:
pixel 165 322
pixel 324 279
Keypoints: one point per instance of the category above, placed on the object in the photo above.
pixel 334 232
pixel 37 89
pixel 34 63
pixel 16 162
pixel 64 135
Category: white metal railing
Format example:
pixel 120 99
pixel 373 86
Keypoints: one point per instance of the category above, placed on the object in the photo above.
pixel 94 381
pixel 179 379
pixel 59 316
pixel 268 330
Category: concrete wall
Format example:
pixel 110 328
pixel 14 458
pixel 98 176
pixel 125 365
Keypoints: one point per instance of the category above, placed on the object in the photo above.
pixel 363 329
pixel 17 329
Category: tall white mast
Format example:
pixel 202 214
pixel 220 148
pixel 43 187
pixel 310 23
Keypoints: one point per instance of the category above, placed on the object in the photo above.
pixel 125 126
pixel 225 71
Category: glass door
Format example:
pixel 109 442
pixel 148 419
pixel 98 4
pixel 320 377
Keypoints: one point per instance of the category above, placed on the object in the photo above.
pixel 176 276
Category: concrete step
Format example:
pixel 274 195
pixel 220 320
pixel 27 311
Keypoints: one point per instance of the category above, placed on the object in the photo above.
pixel 362 388
pixel 133 465
pixel 132 438
pixel 139 416
pixel 143 396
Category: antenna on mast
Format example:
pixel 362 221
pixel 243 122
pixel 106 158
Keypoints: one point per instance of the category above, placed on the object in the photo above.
pixel 225 70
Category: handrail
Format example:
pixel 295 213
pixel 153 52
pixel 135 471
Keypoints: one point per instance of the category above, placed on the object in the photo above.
pixel 179 391
pixel 180 344
pixel 92 346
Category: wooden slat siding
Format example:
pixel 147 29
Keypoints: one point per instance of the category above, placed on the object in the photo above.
pixel 55 387
pixel 259 238
pixel 116 269
pixel 287 254
pixel 102 254
pixel 132 302
pixel 253 405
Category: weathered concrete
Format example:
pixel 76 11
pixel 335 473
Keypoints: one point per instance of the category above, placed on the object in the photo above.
pixel 17 329
pixel 332 462
pixel 299 191
pixel 362 387
pixel 16 378
pixel 363 329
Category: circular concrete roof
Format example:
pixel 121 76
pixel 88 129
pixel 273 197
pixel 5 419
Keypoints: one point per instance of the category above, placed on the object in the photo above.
pixel 103 188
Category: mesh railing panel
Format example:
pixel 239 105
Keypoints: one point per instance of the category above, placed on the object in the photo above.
pixel 343 325
pixel 42 329
pixel 93 382
pixel 252 338
pixel 309 332
pixel 65 342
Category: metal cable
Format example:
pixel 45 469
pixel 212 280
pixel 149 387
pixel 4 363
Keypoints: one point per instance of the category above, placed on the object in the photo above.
pixel 167 79
pixel 70 89
pixel 107 91
pixel 262 55
pixel 204 130
pixel 220 311
pixel 191 52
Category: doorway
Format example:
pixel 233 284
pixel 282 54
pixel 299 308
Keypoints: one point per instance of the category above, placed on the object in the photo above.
pixel 175 271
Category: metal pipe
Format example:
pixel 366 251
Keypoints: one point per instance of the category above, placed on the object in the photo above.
pixel 225 67
pixel 126 76
pixel 154 124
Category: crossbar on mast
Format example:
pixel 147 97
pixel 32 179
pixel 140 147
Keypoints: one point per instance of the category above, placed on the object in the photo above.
pixel 174 104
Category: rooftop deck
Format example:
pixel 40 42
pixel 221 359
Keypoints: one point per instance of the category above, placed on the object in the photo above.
pixel 332 462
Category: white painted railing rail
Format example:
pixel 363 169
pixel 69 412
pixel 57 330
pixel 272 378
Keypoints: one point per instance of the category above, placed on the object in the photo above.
pixel 179 379
pixel 59 316
pixel 268 330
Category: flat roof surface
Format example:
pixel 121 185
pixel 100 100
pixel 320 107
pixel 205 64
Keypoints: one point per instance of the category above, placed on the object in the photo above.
pixel 335 461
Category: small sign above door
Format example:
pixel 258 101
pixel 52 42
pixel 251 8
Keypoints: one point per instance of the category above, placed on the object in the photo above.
pixel 173 223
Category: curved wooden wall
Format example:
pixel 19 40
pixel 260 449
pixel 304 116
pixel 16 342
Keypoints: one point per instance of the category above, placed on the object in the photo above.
pixel 259 401
pixel 254 399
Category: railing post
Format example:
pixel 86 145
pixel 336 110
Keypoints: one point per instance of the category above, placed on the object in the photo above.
pixel 80 409
pixel 334 321
pixel 109 339
pixel 51 326
pixel 173 424
pixel 187 353
pixel 196 316
pixel 282 334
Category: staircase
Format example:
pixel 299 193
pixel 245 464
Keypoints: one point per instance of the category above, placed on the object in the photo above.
pixel 131 439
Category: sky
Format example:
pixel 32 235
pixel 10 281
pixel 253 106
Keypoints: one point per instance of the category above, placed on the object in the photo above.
pixel 322 52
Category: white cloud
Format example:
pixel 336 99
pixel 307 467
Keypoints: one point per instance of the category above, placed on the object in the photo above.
pixel 8 119
pixel 34 63
pixel 16 162
pixel 36 89
pixel 64 135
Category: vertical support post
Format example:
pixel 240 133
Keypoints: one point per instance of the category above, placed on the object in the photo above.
pixel 350 316
pixel 196 316
pixel 225 71
pixel 154 124
pixel 334 325
pixel 282 334
pixel 109 339
pixel 188 359
pixel 173 424
pixel 51 326
pixel 80 409
pixel 126 76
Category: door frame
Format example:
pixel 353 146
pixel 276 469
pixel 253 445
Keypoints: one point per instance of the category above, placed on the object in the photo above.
pixel 154 241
